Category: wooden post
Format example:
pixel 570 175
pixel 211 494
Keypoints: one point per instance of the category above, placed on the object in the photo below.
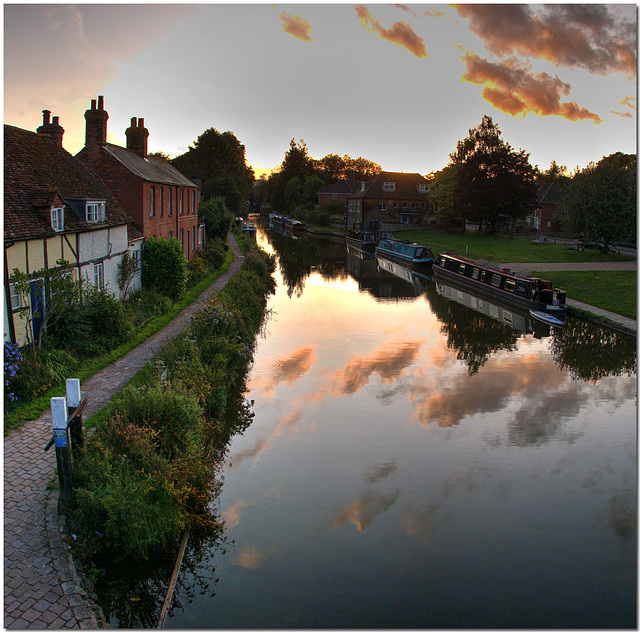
pixel 76 429
pixel 63 452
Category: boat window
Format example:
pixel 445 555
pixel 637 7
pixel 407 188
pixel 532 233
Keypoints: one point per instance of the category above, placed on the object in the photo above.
pixel 482 275
pixel 495 280
pixel 507 317
pixel 475 273
pixel 442 262
pixel 461 268
pixel 510 285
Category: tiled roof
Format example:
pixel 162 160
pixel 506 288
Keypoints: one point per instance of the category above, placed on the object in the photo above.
pixel 342 186
pixel 406 187
pixel 151 168
pixel 36 170
pixel 549 193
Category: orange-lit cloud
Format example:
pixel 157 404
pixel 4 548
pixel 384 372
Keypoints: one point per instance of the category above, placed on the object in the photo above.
pixel 627 102
pixel 364 510
pixel 231 515
pixel 572 35
pixel 511 87
pixel 296 26
pixel 400 33
pixel 251 556
pixel 434 13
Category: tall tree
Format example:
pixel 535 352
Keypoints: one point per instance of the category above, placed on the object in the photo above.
pixel 600 202
pixel 296 161
pixel 218 161
pixel 495 182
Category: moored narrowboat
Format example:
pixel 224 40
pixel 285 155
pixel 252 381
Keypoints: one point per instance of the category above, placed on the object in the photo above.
pixel 293 227
pixel 492 280
pixel 365 240
pixel 405 252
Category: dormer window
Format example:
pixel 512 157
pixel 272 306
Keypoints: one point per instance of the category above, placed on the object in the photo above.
pixel 423 188
pixel 95 212
pixel 57 218
pixel 388 186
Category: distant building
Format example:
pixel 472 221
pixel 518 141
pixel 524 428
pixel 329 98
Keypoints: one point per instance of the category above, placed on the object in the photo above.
pixel 56 208
pixel 549 200
pixel 162 201
pixel 390 198
pixel 341 190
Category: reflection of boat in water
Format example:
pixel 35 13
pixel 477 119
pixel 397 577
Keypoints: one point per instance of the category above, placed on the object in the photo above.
pixel 518 318
pixel 501 284
pixel 407 253
pixel 359 253
pixel 293 227
pixel 416 278
pixel 361 239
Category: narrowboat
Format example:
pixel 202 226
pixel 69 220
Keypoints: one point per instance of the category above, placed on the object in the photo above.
pixel 405 252
pixel 491 280
pixel 364 240
pixel 249 227
pixel 277 222
pixel 293 227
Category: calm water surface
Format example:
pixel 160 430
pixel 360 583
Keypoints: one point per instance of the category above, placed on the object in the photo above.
pixel 413 463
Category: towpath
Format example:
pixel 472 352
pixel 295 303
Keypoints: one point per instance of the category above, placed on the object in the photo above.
pixel 41 586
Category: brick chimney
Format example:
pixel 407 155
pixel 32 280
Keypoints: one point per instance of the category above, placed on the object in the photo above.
pixel 52 130
pixel 137 136
pixel 96 127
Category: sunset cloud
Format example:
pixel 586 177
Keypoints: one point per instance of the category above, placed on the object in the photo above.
pixel 296 26
pixel 571 35
pixel 433 13
pixel 626 102
pixel 511 87
pixel 400 33
pixel 288 369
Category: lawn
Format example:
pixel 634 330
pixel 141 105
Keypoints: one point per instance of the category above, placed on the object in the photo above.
pixel 613 291
pixel 501 248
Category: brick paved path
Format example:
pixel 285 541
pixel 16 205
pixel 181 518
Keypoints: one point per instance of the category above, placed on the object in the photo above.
pixel 42 588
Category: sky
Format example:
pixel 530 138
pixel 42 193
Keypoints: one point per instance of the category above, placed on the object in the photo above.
pixel 396 84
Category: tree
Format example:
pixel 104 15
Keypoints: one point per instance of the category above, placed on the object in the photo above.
pixel 296 161
pixel 218 161
pixel 217 218
pixel 164 268
pixel 555 174
pixel 126 271
pixel 600 201
pixel 442 190
pixel 495 182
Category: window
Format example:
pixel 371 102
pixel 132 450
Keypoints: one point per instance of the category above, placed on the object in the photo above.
pixel 495 280
pixel 182 236
pixel 423 188
pixel 16 303
pixel 160 190
pixel 199 235
pixel 95 212
pixel 152 201
pixel 461 268
pixel 388 186
pixel 180 205
pixel 57 218
pixel 135 255
pixel 169 202
pixel 404 206
pixel 510 285
pixel 413 205
pixel 98 275
pixel 394 205
pixel 382 206
pixel 363 186
pixel 475 273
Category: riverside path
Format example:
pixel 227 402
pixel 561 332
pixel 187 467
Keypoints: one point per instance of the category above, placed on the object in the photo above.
pixel 41 586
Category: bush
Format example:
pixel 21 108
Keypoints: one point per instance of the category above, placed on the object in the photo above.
pixel 164 268
pixel 215 253
pixel 144 304
pixel 109 320
pixel 12 358
pixel 196 268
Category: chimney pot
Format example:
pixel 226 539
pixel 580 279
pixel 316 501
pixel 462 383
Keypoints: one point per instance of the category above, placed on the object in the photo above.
pixel 133 121
pixel 140 122
pixel 45 117
pixel 56 120
pixel 93 104
pixel 100 102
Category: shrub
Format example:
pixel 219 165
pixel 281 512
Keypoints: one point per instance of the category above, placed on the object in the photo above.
pixel 110 323
pixel 12 358
pixel 196 269
pixel 164 267
pixel 214 253
pixel 144 304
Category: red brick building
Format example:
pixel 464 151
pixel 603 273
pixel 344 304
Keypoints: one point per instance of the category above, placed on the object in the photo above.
pixel 162 201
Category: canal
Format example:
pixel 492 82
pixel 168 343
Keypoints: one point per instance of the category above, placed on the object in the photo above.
pixel 418 458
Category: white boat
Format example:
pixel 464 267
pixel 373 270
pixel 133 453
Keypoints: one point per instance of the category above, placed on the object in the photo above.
pixel 549 319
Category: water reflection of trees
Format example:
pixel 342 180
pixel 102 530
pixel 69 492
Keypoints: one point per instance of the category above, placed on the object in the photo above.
pixel 473 335
pixel 591 352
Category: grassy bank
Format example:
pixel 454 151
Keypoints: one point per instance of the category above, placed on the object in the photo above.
pixel 614 291
pixel 149 471
pixel 30 410
pixel 503 249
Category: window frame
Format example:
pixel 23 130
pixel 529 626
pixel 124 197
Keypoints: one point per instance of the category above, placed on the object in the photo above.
pixel 57 218
pixel 95 211
pixel 98 275
pixel 388 186
pixel 16 297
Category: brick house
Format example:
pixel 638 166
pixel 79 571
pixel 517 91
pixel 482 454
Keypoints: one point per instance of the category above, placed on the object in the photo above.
pixel 341 190
pixel 549 198
pixel 162 201
pixel 55 208
pixel 391 198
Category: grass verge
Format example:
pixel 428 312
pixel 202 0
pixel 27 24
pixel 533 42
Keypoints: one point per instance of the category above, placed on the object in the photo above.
pixel 614 291
pixel 32 410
